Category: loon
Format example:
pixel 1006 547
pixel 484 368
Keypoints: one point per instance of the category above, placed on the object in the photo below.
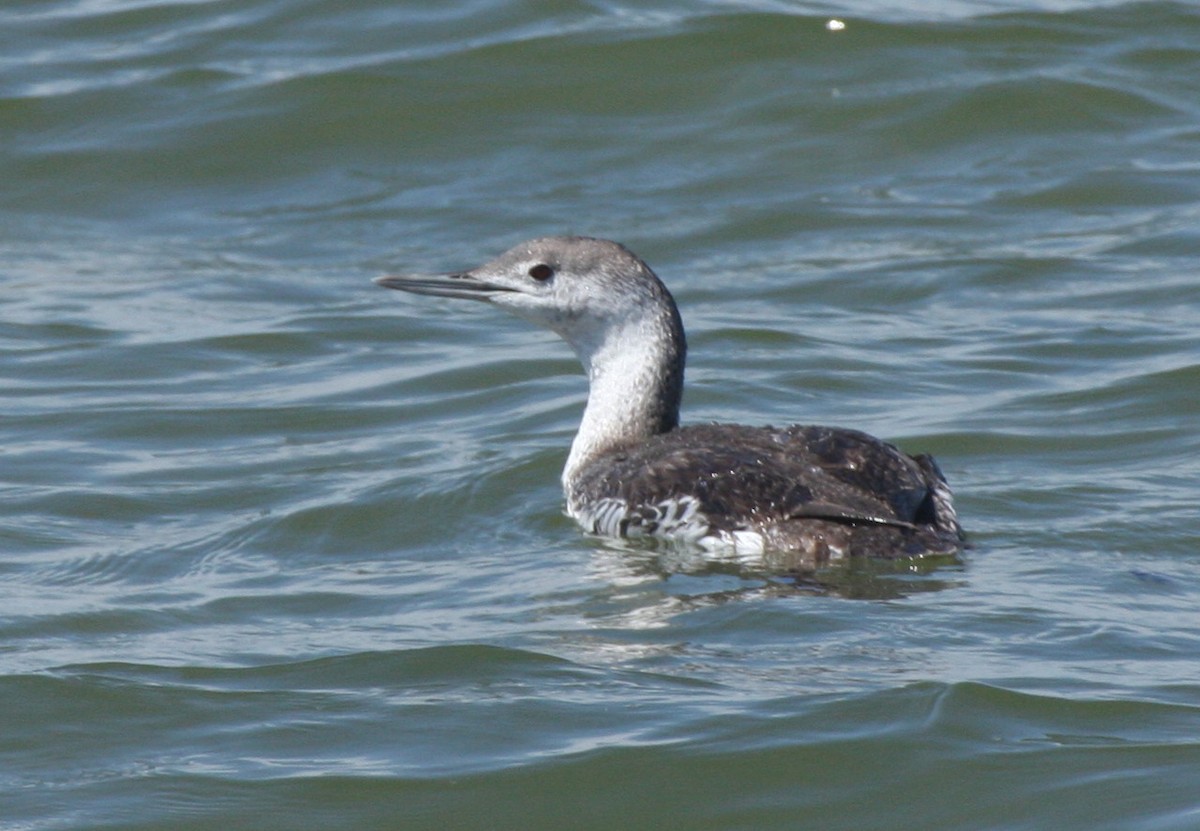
pixel 822 493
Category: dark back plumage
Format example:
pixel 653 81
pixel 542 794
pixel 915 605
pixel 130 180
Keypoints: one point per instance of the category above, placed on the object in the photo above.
pixel 832 491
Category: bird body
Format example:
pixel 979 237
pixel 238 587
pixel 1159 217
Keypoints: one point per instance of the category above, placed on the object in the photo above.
pixel 821 492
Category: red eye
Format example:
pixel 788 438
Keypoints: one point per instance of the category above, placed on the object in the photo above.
pixel 541 272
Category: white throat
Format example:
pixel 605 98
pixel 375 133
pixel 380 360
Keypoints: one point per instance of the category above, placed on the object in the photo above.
pixel 635 375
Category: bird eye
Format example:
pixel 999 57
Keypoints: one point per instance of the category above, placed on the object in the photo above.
pixel 541 272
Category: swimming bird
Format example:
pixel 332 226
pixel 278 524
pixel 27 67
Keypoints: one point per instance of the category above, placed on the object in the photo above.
pixel 822 493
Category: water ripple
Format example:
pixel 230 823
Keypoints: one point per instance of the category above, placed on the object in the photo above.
pixel 274 543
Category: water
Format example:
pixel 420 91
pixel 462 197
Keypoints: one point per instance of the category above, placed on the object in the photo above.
pixel 279 549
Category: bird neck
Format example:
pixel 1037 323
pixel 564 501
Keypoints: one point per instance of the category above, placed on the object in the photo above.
pixel 635 383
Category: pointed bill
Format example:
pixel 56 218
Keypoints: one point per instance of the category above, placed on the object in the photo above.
pixel 443 285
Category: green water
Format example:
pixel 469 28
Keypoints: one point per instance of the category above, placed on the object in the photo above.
pixel 279 549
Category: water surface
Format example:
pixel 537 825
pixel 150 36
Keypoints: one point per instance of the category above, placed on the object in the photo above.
pixel 279 549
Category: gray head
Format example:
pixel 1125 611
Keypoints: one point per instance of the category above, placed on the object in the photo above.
pixel 581 288
pixel 608 305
